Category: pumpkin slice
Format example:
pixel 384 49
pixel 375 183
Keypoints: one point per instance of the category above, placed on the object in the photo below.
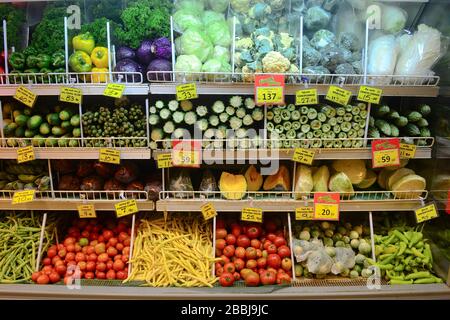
pixel 232 186
pixel 397 175
pixel 355 170
pixel 339 182
pixel 280 181
pixel 303 181
pixel 320 179
pixel 382 178
pixel 369 180
pixel 254 179
pixel 409 183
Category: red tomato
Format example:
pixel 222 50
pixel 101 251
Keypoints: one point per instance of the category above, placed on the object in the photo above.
pixel 111 275
pixel 279 233
pixel 219 272
pixel 70 248
pixel 270 225
pixel 89 249
pixel 279 241
pixel 268 278
pixel 244 273
pixel 250 253
pixel 239 264
pixel 272 249
pixel 262 262
pixel 127 242
pixel 78 248
pixel 240 252
pixel 107 234
pixel 100 248
pixel 236 276
pixel 224 259
pixel 229 267
pixel 218 252
pixel 61 269
pixel 57 262
pixel 60 247
pixel 93 236
pixel 266 244
pixel 243 241
pixel 226 279
pixel 82 265
pixel 121 246
pixel 236 230
pixel 217 265
pixel 271 237
pixel 286 264
pixel 47 261
pixel 71 263
pixel 43 279
pixel 93 243
pixel 62 253
pixel 111 251
pixel 228 251
pixel 251 263
pixel 283 278
pixel 118 265
pixel 252 279
pixel 220 244
pixel 255 243
pixel 125 259
pixel 102 257
pixel 70 256
pixel 80 257
pixel 35 276
pixel 117 257
pixel 254 231
pixel 89 275
pixel 274 261
pixel 101 266
pixel 258 253
pixel 47 270
pixel 92 257
pixel 230 239
pixel 100 275
pixel 121 226
pixel 90 266
pixel 100 238
pixel 52 253
pixel 220 224
pixel 121 275
pixel 109 265
pixel 284 251
pixel 113 242
pixel 221 233
pixel 68 241
pixel 123 236
pixel 86 234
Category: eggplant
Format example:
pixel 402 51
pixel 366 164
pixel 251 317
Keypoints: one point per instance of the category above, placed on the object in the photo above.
pixel 124 52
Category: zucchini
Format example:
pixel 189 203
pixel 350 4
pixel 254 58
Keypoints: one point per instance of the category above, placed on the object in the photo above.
pixel 317 133
pixel 316 124
pixel 230 110
pixel 235 123
pixel 213 120
pixel 218 107
pixel 287 125
pixel 173 105
pixel 277 119
pixel 247 120
pixel 240 113
pixel 312 114
pixel 337 128
pixel 347 117
pixel 304 110
pixel 305 128
pixel 326 127
pixel 340 111
pixel 223 117
pixel 257 114
pixel 164 114
pixel 304 120
pixel 169 127
pixel 202 124
pixel 190 118
pixel 339 120
pixel 291 134
pixel 279 128
pixel 321 117
pixel 332 122
pixel 178 117
pixel 201 111
pixel 285 115
pixel 153 119
pixel 291 107
pixel 295 115
pixel 269 116
pixel 270 126
pixel 296 125
pixel 346 126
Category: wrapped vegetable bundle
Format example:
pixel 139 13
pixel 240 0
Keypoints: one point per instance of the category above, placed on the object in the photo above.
pixel 173 251
pixel 24 176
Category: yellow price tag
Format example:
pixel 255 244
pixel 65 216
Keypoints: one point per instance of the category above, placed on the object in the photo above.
pixel 71 95
pixel 185 158
pixel 306 97
pixel 326 211
pixel 270 95
pixel 252 215
pixel 23 196
pixel 114 90
pixel 25 154
pixel 369 94
pixel 426 213
pixel 109 156
pixel 126 208
pixel 86 211
pixel 338 95
pixel 386 158
pixel 304 213
pixel 164 161
pixel 407 151
pixel 186 91
pixel 208 211
pixel 27 97
pixel 304 156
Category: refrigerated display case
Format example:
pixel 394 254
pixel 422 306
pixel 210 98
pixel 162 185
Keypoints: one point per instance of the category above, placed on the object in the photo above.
pixel 92 88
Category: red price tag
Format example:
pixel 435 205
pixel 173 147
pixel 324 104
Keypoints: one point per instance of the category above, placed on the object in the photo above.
pixel 385 153
pixel 326 206
pixel 269 89
pixel 186 153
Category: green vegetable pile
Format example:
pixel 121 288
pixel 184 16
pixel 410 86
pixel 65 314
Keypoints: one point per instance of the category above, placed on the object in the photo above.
pixel 175 120
pixel 317 124
pixel 48 37
pixel 19 239
pixel 24 176
pixel 15 19
pixel 386 121
pixel 124 120
pixel 42 125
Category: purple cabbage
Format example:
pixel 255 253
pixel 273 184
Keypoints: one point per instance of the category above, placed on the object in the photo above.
pixel 162 48
pixel 160 65
pixel 125 53
pixel 128 65
pixel 144 52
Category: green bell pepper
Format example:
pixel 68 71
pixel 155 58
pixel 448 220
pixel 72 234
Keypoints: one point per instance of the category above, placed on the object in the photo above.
pixel 84 42
pixel 80 61
pixel 44 61
pixel 32 61
pixel 58 60
pixel 17 60
pixel 59 78
pixel 45 78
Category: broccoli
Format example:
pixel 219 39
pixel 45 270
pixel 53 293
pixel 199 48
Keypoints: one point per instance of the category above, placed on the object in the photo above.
pixel 349 41
pixel 322 38
pixel 316 70
pixel 345 68
pixel 316 18
pixel 332 56
pixel 311 57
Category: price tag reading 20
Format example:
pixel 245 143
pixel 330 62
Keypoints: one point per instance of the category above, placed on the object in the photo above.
pixel 186 91
pixel 326 206
pixel 269 89
pixel 385 153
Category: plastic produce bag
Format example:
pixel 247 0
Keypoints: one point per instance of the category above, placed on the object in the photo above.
pixel 382 57
pixel 393 18
pixel 343 259
pixel 181 181
pixel 303 248
pixel 319 262
pixel 208 183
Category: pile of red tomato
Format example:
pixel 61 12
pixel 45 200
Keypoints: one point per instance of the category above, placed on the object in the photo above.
pixel 91 250
pixel 253 252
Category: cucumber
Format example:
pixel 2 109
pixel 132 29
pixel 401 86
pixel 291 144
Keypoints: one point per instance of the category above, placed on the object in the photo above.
pixel 241 112
pixel 177 117
pixel 53 119
pixel 201 111
pixel 169 127
pixel 153 119
pixel 34 122
pixel 213 120
pixel 21 120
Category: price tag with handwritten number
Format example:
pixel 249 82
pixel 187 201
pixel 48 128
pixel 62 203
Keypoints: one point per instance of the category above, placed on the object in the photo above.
pixel 208 211
pixel 164 161
pixel 306 97
pixel 426 213
pixel 407 151
pixel 125 208
pixel 71 95
pixel 27 97
pixel 186 91
pixel 304 213
pixel 326 206
pixel 338 95
pixel 109 156
pixel 114 90
pixel 252 215
pixel 304 156
pixel 25 154
pixel 369 94
pixel 86 211
pixel 23 196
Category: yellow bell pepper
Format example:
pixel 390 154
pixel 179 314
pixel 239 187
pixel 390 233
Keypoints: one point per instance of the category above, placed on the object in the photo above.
pixel 99 78
pixel 99 57
pixel 84 42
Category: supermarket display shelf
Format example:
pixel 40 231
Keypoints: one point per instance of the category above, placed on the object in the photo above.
pixel 69 205
pixel 87 89
pixel 77 153
pixel 31 291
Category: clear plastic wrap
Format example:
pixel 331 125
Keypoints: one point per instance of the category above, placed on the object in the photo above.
pixel 382 58
pixel 344 259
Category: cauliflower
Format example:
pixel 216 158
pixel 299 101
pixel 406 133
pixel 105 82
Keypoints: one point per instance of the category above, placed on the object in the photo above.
pixel 237 59
pixel 241 6
pixel 286 40
pixel 259 10
pixel 244 43
pixel 275 62
pixel 293 69
pixel 247 74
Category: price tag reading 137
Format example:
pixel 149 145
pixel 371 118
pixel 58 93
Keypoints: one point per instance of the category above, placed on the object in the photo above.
pixel 269 89
pixel 186 91
pixel 385 153
pixel 326 206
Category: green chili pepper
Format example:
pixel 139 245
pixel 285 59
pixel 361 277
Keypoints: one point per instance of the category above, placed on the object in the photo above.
pixel 427 280
pixel 400 236
pixel 417 253
pixel 387 260
pixel 385 266
pixel 389 240
pixel 417 275
pixel 417 236
pixel 44 61
pixel 401 282
pixel 427 253
pixel 17 60
pixel 399 268
pixel 402 248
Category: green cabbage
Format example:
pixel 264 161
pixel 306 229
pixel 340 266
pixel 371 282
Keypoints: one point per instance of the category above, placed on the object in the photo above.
pixel 212 65
pixel 187 63
pixel 219 5
pixel 196 6
pixel 221 53
pixel 195 42
pixel 184 19
pixel 210 17
pixel 219 33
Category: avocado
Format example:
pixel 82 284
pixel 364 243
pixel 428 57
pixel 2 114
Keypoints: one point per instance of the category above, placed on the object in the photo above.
pixel 19 132
pixel 21 120
pixel 53 119
pixel 34 122
pixel 44 129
